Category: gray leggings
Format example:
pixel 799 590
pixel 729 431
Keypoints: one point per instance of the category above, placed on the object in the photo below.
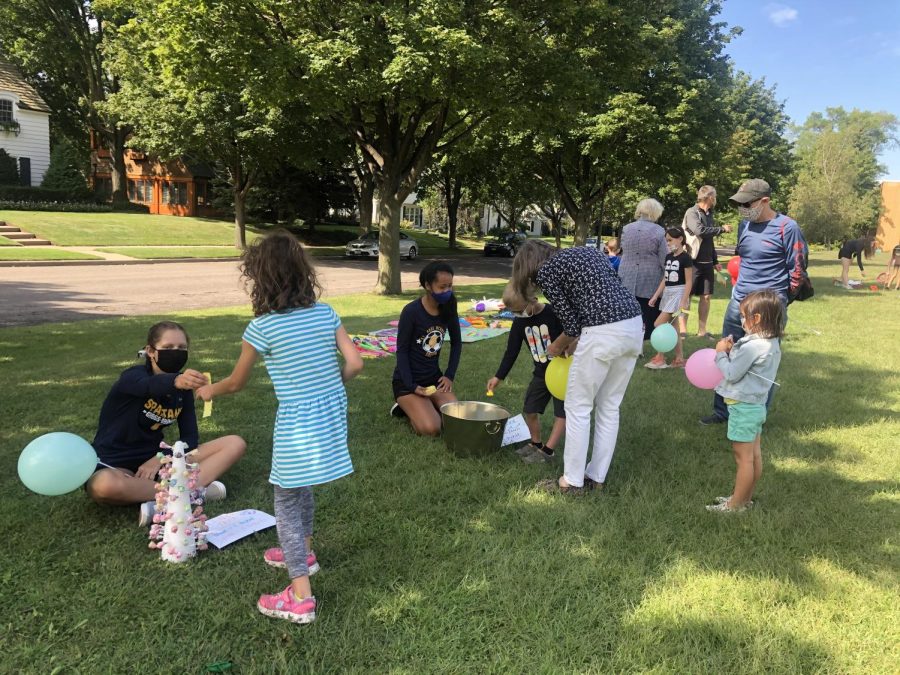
pixel 294 509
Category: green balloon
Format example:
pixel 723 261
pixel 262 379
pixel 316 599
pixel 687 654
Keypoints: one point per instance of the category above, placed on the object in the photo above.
pixel 664 338
pixel 56 463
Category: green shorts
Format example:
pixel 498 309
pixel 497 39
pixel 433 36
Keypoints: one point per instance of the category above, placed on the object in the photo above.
pixel 745 421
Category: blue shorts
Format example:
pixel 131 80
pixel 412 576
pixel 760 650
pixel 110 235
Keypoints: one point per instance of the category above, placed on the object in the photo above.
pixel 745 421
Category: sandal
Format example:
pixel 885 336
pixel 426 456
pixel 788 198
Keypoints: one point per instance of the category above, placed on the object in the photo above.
pixel 552 486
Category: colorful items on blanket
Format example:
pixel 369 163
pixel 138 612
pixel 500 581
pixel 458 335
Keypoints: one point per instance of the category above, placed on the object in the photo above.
pixel 481 322
pixel 486 305
pixel 373 346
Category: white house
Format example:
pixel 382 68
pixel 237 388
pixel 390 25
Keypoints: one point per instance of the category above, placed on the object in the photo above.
pixel 491 218
pixel 24 125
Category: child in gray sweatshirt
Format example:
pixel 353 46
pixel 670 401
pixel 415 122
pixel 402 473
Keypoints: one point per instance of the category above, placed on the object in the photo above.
pixel 749 367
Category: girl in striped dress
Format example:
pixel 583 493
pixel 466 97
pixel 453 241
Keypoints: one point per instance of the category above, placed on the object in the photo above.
pixel 299 339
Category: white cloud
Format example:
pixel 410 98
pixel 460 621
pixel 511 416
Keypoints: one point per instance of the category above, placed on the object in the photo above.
pixel 780 15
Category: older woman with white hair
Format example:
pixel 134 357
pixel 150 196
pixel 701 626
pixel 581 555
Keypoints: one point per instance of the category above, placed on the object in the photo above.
pixel 643 245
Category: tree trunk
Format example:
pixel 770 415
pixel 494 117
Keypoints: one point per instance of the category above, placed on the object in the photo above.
pixel 240 219
pixel 116 146
pixel 557 227
pixel 389 211
pixel 366 193
pixel 452 196
pixel 582 225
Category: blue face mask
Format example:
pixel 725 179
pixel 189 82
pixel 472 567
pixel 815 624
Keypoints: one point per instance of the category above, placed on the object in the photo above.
pixel 441 298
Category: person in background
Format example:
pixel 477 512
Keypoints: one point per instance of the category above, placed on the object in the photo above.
pixel 700 227
pixel 644 258
pixel 773 256
pixel 893 270
pixel 614 252
pixel 674 295
pixel 854 248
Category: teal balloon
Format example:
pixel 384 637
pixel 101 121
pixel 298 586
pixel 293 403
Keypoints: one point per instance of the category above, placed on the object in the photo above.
pixel 664 338
pixel 56 463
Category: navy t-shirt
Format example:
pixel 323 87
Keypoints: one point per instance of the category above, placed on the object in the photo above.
pixel 537 332
pixel 420 337
pixel 135 414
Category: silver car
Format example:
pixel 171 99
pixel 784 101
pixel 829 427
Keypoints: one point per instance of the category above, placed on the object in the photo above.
pixel 367 247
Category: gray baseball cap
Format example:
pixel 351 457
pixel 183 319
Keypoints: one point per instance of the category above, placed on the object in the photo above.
pixel 751 190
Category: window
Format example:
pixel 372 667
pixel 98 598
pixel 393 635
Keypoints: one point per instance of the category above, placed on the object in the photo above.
pixel 413 214
pixel 140 191
pixel 200 191
pixel 174 193
pixel 6 110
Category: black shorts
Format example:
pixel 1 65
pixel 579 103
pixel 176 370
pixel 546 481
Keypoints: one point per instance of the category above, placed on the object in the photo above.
pixel 401 390
pixel 704 279
pixel 846 252
pixel 537 396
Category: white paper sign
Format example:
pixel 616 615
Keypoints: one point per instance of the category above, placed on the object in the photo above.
pixel 516 431
pixel 229 527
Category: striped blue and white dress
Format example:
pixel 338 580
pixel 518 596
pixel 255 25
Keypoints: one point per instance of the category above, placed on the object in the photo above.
pixel 300 351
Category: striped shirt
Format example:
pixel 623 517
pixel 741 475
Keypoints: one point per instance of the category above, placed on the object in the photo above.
pixel 300 350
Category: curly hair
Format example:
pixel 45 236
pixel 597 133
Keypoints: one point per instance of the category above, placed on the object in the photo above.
pixel 279 274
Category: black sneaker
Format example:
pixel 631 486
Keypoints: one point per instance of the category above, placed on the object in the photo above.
pixel 710 420
pixel 397 411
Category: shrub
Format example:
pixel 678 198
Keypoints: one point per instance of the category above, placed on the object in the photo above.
pixel 67 169
pixel 66 207
pixel 23 193
pixel 9 169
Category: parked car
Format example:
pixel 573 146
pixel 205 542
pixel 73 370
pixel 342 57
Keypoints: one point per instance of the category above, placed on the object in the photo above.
pixel 591 242
pixel 367 247
pixel 506 244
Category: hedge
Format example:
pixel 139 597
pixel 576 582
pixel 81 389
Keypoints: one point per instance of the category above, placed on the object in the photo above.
pixel 67 207
pixel 22 193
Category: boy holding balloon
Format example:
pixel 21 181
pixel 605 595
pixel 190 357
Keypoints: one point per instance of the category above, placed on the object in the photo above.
pixel 537 326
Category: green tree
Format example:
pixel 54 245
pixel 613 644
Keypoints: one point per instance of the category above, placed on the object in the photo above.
pixel 836 194
pixel 57 44
pixel 68 168
pixel 636 90
pixel 9 169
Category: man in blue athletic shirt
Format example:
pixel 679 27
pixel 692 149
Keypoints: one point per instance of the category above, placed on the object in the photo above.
pixel 773 256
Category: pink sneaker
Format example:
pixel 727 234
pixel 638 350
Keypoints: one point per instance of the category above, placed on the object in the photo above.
pixel 275 558
pixel 285 605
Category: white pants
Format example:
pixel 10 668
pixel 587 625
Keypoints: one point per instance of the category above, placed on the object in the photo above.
pixel 603 364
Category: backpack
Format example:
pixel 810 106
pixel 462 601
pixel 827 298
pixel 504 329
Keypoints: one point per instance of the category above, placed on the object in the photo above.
pixel 804 290
pixel 691 239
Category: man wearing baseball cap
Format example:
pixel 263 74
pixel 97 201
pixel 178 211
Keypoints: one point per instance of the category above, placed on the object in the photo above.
pixel 773 255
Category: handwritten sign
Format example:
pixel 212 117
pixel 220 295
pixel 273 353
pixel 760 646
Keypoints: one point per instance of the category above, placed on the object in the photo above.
pixel 229 527
pixel 516 431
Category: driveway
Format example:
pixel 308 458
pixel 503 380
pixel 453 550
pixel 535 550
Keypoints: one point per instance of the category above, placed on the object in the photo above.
pixel 47 294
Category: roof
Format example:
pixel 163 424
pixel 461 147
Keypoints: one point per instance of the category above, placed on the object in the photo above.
pixel 11 80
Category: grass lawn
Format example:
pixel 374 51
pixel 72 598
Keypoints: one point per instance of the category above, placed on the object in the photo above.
pixel 434 564
pixel 7 242
pixel 149 252
pixel 123 229
pixel 31 253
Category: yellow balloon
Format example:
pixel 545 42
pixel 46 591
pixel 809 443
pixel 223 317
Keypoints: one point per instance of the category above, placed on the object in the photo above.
pixel 557 376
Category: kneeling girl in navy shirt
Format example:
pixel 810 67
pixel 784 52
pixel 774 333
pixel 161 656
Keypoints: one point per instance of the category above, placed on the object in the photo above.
pixel 420 388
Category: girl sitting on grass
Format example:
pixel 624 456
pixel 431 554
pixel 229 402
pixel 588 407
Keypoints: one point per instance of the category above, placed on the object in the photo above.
pixel 537 326
pixel 749 366
pixel 141 405
pixel 675 290
pixel 298 337
pixel 420 388
pixel 893 270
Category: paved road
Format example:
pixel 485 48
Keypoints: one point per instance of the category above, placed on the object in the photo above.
pixel 34 295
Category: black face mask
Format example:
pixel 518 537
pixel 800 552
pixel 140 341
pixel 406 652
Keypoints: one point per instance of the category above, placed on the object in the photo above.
pixel 170 360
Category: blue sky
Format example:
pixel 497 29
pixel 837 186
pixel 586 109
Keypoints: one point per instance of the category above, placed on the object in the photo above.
pixel 821 54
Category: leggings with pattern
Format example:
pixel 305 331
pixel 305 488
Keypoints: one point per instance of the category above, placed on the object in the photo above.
pixel 294 509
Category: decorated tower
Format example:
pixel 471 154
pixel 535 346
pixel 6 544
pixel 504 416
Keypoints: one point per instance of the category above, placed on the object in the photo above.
pixel 179 526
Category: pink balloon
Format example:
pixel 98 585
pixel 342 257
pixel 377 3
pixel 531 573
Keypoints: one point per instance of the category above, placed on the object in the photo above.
pixel 701 369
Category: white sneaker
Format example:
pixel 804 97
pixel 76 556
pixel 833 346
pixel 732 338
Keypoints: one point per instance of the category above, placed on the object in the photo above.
pixel 215 492
pixel 148 510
